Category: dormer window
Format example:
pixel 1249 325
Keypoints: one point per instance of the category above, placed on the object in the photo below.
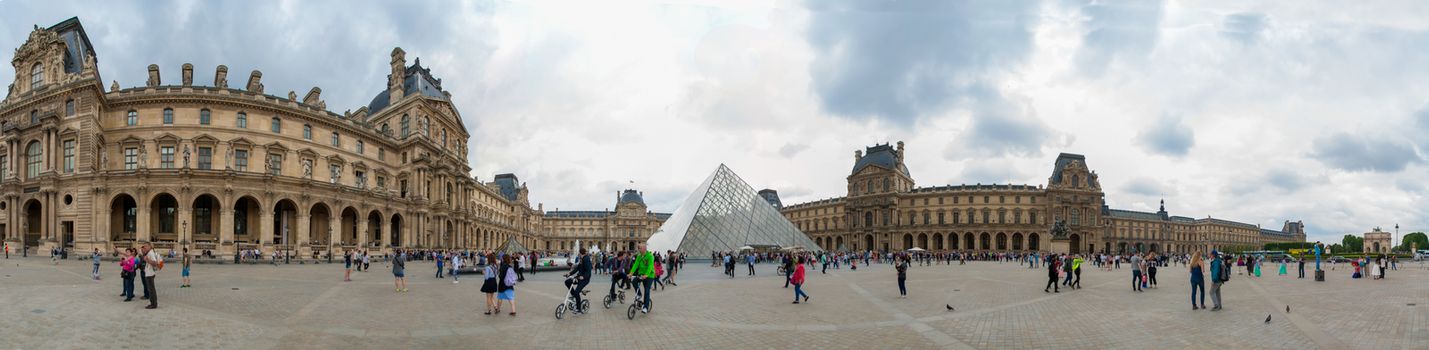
pixel 37 76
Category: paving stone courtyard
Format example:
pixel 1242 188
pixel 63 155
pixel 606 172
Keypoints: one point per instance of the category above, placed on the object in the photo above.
pixel 998 306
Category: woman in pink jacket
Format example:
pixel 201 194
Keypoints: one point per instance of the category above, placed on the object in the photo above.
pixel 798 280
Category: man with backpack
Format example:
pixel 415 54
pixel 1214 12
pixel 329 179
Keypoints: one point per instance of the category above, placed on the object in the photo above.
pixel 152 264
pixel 1220 273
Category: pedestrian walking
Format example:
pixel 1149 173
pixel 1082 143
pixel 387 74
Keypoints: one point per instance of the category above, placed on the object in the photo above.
pixel 1052 269
pixel 456 268
pixel 1077 270
pixel 128 268
pixel 798 279
pixel 1198 282
pixel 1302 265
pixel 749 259
pixel 95 257
pixel 1136 263
pixel 901 265
pixel 489 286
pixel 1220 273
pixel 347 265
pixel 186 260
pixel 441 262
pixel 508 278
pixel 152 264
pixel 1151 270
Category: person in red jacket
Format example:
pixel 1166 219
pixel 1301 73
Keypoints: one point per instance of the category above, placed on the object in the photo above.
pixel 798 280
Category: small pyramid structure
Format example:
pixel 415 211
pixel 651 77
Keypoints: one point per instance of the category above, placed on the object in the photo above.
pixel 512 246
pixel 723 214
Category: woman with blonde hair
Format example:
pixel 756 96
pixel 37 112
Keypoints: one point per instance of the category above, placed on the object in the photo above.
pixel 1198 281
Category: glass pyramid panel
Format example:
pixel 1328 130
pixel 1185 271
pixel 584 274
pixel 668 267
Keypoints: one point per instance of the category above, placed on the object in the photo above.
pixel 512 246
pixel 723 214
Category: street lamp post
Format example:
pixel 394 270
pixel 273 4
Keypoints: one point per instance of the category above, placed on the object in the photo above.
pixel 1395 240
pixel 329 245
pixel 287 254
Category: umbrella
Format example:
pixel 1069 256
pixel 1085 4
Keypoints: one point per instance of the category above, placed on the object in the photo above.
pixel 915 249
pixel 746 248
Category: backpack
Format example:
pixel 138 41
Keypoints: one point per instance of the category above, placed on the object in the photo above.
pixel 1225 272
pixel 509 280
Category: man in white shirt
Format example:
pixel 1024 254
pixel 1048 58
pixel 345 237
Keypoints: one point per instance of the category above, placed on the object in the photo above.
pixel 456 268
pixel 152 261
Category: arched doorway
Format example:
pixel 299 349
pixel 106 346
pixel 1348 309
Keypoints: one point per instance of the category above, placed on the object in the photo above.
pixel 839 243
pixel 1140 248
pixel 938 241
pixel 907 241
pixel 1017 241
pixel 1155 248
pixel 245 221
pixel 319 225
pixel 867 242
pixel 204 219
pixel 986 240
pixel 396 230
pixel 1001 241
pixel 123 218
pixel 1076 243
pixel 285 218
pixel 34 223
pixel 953 241
pixel 374 229
pixel 1121 248
pixel 1034 242
pixel 163 218
pixel 1107 248
pixel 923 241
pixel 348 227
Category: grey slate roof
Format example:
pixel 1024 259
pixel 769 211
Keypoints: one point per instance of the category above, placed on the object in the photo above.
pixel 76 43
pixel 418 81
pixel 510 185
pixel 629 196
pixel 881 155
pixel 1131 214
pixel 1062 160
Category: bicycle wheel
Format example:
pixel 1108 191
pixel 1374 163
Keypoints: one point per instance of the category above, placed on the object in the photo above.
pixel 585 305
pixel 630 313
pixel 560 311
pixel 606 301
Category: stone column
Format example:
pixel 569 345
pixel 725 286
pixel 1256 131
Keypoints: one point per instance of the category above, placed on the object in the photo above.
pixel 225 230
pixel 387 234
pixel 142 232
pixel 362 234
pixel 302 233
pixel 265 236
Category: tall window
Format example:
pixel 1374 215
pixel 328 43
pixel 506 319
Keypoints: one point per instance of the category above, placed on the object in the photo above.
pixel 277 125
pixel 37 76
pixel 166 157
pixel 242 120
pixel 240 159
pixel 444 138
pixel 205 158
pixel 203 220
pixel 406 124
pixel 131 158
pixel 381 154
pixel 204 117
pixel 132 119
pixel 34 117
pixel 168 116
pixel 277 161
pixel 359 146
pixel 69 156
pixel 307 132
pixel 240 227
pixel 131 219
pixel 4 167
pixel 336 140
pixel 69 108
pixel 381 182
pixel 32 153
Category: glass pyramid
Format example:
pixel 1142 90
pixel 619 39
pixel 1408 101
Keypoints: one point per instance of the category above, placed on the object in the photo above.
pixel 724 214
pixel 512 246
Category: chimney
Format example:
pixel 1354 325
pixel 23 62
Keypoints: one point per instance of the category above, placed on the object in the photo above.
pixel 255 81
pixel 188 74
pixel 398 76
pixel 220 77
pixel 153 75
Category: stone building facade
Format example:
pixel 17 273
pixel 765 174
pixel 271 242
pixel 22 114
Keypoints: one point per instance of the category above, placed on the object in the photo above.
pixel 227 167
pixel 630 223
pixel 1377 241
pixel 885 210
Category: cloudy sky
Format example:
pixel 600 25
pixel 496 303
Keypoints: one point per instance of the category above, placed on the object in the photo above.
pixel 1255 112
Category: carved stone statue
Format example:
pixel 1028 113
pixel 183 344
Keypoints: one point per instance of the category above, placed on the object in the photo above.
pixel 103 159
pixel 336 174
pixel 1059 229
pixel 186 156
pixel 114 86
pixel 307 169
pixel 188 74
pixel 268 165
pixel 228 160
pixel 143 157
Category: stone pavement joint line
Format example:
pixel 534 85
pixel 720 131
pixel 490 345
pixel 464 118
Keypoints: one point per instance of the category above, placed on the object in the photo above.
pixel 1321 338
pixel 934 335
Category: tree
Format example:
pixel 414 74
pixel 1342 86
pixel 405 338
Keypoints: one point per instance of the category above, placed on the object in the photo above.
pixel 1416 237
pixel 1353 243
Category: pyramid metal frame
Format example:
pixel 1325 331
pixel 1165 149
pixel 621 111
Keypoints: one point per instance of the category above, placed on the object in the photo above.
pixel 513 246
pixel 723 214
